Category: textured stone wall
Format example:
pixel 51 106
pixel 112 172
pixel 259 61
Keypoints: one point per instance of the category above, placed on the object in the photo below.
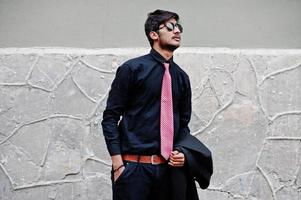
pixel 246 109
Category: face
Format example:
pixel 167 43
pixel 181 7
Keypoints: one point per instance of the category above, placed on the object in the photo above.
pixel 169 35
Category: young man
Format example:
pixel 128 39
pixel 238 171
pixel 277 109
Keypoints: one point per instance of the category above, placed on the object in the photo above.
pixel 152 94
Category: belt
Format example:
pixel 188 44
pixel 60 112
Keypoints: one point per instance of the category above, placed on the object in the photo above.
pixel 153 159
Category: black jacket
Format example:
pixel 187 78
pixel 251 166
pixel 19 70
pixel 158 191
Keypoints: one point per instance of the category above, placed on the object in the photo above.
pixel 198 167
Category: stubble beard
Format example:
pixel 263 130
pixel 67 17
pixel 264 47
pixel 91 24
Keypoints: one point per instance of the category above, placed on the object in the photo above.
pixel 170 47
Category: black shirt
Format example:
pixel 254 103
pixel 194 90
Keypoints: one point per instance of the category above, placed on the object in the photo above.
pixel 135 97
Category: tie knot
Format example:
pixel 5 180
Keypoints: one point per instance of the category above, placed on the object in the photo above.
pixel 166 65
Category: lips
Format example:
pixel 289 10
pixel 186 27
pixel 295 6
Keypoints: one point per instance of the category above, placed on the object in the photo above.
pixel 178 38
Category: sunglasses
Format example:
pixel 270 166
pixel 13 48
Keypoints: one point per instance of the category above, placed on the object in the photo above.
pixel 171 26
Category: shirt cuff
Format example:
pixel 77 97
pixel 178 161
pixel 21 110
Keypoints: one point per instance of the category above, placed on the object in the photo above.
pixel 114 150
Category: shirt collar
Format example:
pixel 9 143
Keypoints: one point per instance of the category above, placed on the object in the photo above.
pixel 157 56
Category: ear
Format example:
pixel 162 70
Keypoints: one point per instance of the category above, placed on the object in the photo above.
pixel 154 35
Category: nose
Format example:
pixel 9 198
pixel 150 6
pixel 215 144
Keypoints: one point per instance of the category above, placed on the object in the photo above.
pixel 176 30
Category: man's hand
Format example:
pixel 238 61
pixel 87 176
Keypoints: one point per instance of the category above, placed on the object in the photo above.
pixel 117 162
pixel 176 159
pixel 118 172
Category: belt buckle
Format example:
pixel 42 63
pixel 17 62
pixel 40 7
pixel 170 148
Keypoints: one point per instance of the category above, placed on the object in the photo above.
pixel 153 161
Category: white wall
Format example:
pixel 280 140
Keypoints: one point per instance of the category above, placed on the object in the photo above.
pixel 119 23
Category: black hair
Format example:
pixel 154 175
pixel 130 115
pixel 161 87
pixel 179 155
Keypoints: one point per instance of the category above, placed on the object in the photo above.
pixel 155 19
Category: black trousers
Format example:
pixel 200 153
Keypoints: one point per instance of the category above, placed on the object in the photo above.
pixel 140 181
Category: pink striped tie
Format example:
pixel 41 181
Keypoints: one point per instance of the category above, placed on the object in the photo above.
pixel 166 115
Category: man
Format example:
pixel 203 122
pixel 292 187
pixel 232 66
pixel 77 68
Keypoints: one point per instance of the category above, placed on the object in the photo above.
pixel 152 94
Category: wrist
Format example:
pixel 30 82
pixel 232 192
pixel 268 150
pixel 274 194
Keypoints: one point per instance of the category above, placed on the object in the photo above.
pixel 116 165
pixel 117 168
pixel 117 161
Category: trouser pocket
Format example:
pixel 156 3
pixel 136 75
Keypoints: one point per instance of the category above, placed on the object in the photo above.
pixel 124 173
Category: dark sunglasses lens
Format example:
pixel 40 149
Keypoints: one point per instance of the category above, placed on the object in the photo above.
pixel 169 26
pixel 180 27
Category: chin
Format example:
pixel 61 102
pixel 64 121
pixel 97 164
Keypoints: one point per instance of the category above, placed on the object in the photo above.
pixel 170 46
pixel 176 44
pixel 173 47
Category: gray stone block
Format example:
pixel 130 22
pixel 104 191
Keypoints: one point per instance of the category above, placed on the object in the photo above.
pixel 246 109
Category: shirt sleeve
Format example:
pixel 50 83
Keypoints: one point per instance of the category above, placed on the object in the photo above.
pixel 116 103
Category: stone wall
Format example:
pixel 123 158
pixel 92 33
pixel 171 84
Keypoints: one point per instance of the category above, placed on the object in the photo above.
pixel 246 109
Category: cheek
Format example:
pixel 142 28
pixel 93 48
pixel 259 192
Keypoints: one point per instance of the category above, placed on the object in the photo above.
pixel 165 38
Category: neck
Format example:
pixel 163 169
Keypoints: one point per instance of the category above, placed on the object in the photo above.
pixel 167 54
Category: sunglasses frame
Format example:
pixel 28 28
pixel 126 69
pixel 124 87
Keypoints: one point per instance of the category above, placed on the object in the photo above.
pixel 172 26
